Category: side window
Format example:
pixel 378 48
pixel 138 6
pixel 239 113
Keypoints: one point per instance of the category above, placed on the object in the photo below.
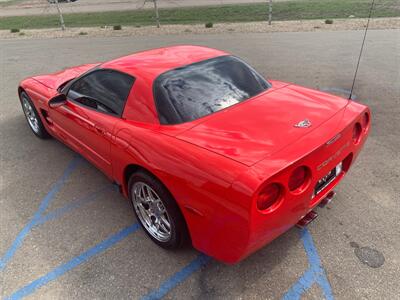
pixel 104 90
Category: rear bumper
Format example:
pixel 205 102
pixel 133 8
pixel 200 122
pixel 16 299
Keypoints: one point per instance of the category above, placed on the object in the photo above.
pixel 262 227
pixel 266 228
pixel 339 148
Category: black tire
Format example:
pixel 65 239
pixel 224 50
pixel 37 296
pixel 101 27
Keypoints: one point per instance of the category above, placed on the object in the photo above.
pixel 41 131
pixel 179 233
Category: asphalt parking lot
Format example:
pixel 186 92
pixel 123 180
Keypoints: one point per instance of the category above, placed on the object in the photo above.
pixel 66 233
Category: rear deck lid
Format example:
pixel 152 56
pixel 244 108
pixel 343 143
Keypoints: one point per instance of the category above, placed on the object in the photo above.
pixel 251 130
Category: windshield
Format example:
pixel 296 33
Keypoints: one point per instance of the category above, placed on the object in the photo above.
pixel 60 88
pixel 64 87
pixel 194 91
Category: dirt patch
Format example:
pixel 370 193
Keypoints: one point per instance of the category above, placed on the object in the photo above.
pixel 254 27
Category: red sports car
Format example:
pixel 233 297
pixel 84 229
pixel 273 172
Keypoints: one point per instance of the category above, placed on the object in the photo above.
pixel 206 149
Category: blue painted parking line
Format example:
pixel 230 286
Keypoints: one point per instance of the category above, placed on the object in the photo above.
pixel 315 273
pixel 74 262
pixel 38 214
pixel 57 213
pixel 178 278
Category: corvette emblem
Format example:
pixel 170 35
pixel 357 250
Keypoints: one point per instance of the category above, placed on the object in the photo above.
pixel 303 124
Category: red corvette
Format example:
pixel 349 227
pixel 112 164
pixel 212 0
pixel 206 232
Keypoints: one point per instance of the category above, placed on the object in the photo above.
pixel 206 149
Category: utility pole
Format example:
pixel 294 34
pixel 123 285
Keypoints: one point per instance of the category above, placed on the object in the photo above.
pixel 157 15
pixel 270 13
pixel 61 16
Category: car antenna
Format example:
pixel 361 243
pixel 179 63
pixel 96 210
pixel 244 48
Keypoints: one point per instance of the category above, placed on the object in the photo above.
pixel 362 48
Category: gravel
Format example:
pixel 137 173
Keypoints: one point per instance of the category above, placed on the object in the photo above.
pixel 253 27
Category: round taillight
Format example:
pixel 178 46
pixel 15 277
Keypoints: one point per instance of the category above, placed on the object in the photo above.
pixel 298 179
pixel 357 130
pixel 365 120
pixel 268 196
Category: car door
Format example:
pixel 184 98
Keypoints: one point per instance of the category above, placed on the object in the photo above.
pixel 95 103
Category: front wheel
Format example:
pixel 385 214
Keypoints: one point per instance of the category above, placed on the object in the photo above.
pixel 157 211
pixel 32 117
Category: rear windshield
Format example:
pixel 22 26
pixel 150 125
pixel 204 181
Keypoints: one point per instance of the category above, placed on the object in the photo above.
pixel 194 91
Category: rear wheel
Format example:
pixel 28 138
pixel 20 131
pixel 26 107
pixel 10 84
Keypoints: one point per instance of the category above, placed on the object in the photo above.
pixel 32 117
pixel 157 211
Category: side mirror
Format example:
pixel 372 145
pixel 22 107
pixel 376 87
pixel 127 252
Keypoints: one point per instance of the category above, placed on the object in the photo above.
pixel 57 101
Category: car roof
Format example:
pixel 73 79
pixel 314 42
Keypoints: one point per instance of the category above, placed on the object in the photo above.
pixel 151 63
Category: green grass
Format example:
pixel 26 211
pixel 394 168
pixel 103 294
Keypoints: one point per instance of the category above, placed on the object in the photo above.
pixel 9 2
pixel 290 10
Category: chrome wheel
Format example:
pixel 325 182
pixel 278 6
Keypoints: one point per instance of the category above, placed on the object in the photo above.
pixel 151 211
pixel 30 115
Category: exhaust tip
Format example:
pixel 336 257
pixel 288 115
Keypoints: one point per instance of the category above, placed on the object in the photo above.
pixel 312 215
pixel 327 199
pixel 307 219
pixel 331 195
